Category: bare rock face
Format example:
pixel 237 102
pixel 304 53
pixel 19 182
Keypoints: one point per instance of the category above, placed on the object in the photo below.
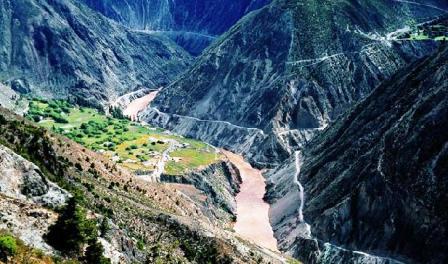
pixel 64 49
pixel 12 100
pixel 219 183
pixel 375 181
pixel 25 199
pixel 285 71
pixel 27 220
pixel 193 24
pixel 21 179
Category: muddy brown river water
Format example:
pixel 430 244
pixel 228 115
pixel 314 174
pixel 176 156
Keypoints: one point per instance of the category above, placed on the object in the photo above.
pixel 252 211
pixel 139 105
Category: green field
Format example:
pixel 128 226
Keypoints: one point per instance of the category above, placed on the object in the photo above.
pixel 419 36
pixel 134 146
pixel 188 159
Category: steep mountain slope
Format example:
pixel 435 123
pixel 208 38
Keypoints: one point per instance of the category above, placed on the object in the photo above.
pixel 25 198
pixel 147 222
pixel 60 48
pixel 285 71
pixel 376 180
pixel 192 24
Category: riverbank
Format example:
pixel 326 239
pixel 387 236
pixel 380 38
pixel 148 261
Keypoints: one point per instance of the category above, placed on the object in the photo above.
pixel 252 211
pixel 252 221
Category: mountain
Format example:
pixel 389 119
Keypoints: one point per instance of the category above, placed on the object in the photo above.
pixel 375 181
pixel 61 48
pixel 193 24
pixel 286 71
pixel 339 104
pixel 138 221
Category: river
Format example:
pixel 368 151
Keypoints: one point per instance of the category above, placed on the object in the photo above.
pixel 252 221
pixel 139 105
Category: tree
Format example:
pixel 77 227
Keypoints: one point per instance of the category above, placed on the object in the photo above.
pixel 3 120
pixel 94 253
pixel 116 112
pixel 8 247
pixel 72 230
pixel 105 227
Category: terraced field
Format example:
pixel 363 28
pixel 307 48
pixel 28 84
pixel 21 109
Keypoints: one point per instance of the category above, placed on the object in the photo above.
pixel 136 147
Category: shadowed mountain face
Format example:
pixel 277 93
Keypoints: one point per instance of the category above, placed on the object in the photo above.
pixel 60 48
pixel 376 180
pixel 193 24
pixel 287 70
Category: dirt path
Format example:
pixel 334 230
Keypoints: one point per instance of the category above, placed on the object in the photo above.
pixel 252 211
pixel 160 168
pixel 139 105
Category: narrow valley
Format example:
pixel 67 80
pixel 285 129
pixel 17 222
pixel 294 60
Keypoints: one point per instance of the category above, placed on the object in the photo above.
pixel 252 220
pixel 252 212
pixel 223 131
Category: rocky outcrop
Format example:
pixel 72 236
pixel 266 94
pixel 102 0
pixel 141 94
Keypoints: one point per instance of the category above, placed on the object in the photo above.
pixel 219 182
pixel 288 70
pixel 12 100
pixel 27 220
pixel 25 196
pixel 21 179
pixel 61 48
pixel 375 181
pixel 193 24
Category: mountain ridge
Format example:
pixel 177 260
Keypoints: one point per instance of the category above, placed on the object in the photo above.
pixel 178 19
pixel 377 170
pixel 62 49
pixel 285 81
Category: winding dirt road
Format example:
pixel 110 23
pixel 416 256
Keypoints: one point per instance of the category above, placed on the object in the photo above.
pixel 160 168
pixel 252 211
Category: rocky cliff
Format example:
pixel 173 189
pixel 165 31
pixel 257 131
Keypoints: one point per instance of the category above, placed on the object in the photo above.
pixel 193 24
pixel 218 183
pixel 375 181
pixel 25 198
pixel 22 180
pixel 61 48
pixel 285 71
